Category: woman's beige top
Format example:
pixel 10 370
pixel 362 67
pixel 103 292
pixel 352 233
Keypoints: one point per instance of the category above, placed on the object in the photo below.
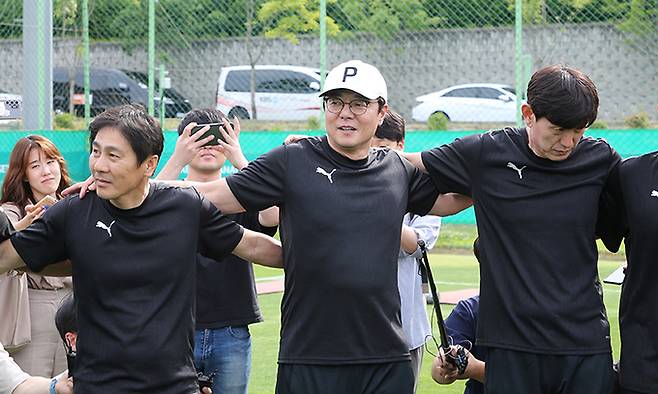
pixel 36 281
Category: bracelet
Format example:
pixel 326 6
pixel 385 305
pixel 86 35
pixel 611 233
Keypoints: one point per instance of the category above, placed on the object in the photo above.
pixel 53 383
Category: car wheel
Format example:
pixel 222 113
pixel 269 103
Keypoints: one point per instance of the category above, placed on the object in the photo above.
pixel 238 112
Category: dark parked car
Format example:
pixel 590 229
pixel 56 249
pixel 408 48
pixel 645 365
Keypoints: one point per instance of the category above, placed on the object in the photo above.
pixel 175 104
pixel 109 87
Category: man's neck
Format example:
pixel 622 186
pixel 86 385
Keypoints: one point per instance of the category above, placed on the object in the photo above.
pixel 134 198
pixel 357 153
pixel 203 176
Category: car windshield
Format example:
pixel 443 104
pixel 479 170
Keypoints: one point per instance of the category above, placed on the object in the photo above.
pixel 142 79
pixel 510 89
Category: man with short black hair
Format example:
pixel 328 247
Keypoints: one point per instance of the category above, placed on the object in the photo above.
pixel 536 193
pixel 134 272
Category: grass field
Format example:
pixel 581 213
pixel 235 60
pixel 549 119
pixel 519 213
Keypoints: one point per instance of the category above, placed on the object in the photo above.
pixel 451 272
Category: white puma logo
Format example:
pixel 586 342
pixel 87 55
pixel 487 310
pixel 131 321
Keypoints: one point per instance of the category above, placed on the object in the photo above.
pixel 515 168
pixel 102 225
pixel 654 193
pixel 321 170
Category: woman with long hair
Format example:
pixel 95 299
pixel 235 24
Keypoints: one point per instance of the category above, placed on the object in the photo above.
pixel 37 169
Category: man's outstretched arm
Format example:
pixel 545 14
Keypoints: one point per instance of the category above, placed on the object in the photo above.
pixel 450 204
pixel 415 159
pixel 260 249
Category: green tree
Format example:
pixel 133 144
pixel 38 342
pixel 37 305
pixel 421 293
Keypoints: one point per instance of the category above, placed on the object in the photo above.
pixel 67 19
pixel 384 18
pixel 289 18
pixel 641 19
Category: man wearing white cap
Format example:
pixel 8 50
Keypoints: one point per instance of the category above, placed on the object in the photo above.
pixel 341 210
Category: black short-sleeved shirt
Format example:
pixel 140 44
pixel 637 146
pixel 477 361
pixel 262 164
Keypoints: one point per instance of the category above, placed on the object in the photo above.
pixel 539 285
pixel 340 228
pixel 630 211
pixel 134 279
pixel 225 290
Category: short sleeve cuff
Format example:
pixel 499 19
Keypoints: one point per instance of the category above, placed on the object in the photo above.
pixel 24 252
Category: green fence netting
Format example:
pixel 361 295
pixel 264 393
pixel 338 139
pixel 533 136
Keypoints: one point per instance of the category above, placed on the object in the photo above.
pixel 74 147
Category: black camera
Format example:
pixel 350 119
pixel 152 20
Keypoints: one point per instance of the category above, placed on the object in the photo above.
pixel 70 362
pixel 205 380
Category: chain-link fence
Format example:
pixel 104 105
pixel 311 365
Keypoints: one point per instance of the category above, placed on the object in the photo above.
pixel 448 63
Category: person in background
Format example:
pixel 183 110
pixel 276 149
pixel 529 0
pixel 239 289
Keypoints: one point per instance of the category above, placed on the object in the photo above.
pixel 390 134
pixel 226 299
pixel 37 169
pixel 461 326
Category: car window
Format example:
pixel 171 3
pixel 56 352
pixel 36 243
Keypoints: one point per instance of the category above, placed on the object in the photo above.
pixel 288 82
pixel 270 81
pixel 237 81
pixel 463 92
pixel 511 90
pixel 489 93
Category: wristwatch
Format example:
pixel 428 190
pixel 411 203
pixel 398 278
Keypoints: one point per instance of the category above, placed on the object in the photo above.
pixel 53 383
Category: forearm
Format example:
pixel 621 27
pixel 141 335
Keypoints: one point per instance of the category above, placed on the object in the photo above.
pixel 239 161
pixel 217 192
pixel 33 385
pixel 475 370
pixel 408 239
pixel 260 249
pixel 268 252
pixel 171 170
pixel 450 204
pixel 23 223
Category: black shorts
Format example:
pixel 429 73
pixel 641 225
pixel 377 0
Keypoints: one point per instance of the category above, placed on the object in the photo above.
pixel 385 378
pixel 510 372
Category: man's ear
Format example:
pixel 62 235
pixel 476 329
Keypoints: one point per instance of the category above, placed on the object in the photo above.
pixel 383 112
pixel 151 165
pixel 528 115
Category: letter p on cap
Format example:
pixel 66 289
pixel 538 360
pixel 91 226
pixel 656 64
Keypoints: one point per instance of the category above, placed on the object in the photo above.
pixel 349 72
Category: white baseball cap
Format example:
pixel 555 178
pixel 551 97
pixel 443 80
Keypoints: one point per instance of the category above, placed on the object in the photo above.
pixel 359 77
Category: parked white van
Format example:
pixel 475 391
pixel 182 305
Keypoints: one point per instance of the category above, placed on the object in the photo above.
pixel 282 92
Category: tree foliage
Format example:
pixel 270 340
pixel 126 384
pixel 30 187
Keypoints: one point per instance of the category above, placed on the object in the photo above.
pixel 179 22
pixel 289 18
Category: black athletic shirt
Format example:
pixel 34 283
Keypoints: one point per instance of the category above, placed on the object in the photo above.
pixel 340 228
pixel 225 290
pixel 631 211
pixel 539 285
pixel 134 273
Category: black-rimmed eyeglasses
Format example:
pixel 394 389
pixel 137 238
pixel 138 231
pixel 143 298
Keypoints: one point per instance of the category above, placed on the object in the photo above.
pixel 336 105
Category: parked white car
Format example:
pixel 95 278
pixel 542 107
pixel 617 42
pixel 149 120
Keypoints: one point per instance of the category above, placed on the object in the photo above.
pixel 476 102
pixel 282 92
pixel 11 105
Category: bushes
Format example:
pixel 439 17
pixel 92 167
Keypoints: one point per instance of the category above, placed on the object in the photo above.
pixel 64 121
pixel 313 123
pixel 599 125
pixel 438 121
pixel 638 121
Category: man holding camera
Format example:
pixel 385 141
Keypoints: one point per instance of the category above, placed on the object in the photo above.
pixel 226 301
